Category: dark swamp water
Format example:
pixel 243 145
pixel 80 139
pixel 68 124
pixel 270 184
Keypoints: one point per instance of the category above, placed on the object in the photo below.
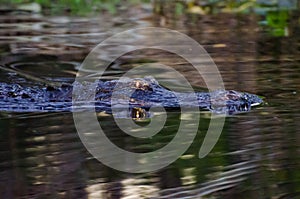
pixel 257 155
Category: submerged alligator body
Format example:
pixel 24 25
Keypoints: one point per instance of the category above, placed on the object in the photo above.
pixel 144 94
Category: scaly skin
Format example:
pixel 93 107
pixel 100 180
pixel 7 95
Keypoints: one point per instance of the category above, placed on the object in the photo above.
pixel 142 93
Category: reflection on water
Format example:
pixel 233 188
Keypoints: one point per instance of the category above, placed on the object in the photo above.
pixel 257 155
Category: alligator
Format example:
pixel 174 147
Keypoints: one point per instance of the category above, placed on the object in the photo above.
pixel 145 93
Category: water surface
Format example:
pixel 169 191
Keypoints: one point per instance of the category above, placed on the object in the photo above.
pixel 257 155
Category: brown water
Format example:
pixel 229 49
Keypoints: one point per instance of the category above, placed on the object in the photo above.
pixel 257 155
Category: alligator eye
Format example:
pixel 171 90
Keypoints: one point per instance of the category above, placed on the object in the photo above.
pixel 142 86
pixel 137 84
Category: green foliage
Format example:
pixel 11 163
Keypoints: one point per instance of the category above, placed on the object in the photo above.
pixel 79 7
pixel 275 15
pixel 179 8
pixel 277 22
